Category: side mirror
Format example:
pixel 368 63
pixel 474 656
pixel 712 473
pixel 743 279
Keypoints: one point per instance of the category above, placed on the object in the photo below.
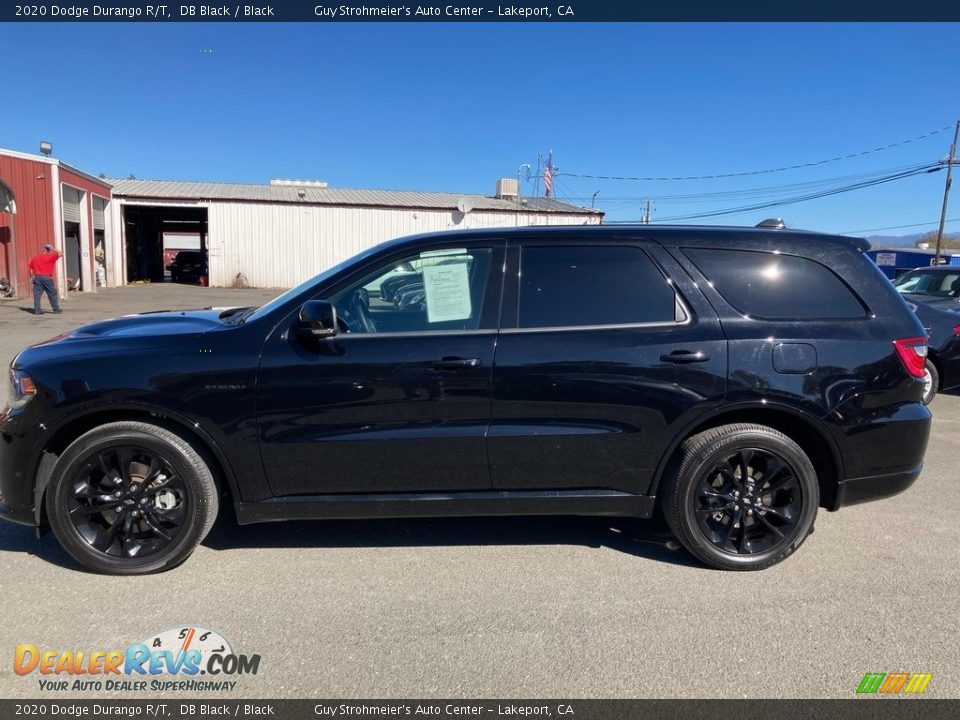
pixel 320 316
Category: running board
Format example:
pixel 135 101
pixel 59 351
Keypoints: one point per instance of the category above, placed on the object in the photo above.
pixel 402 505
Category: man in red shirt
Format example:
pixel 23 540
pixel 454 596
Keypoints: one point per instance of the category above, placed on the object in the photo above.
pixel 41 268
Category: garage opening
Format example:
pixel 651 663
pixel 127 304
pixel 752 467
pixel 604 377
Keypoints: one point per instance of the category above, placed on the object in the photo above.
pixel 71 237
pixel 8 246
pixel 166 244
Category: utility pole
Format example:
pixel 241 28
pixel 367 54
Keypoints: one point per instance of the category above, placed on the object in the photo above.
pixel 946 192
pixel 646 215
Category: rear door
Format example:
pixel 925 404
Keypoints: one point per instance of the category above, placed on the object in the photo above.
pixel 605 350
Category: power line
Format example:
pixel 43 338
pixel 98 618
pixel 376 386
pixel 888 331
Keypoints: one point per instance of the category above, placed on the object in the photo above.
pixel 756 192
pixel 803 198
pixel 761 172
pixel 897 227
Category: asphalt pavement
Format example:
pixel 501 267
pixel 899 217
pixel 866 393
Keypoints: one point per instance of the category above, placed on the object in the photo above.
pixel 508 607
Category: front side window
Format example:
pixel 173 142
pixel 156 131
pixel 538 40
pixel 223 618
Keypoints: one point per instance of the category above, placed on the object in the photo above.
pixel 925 282
pixel 775 286
pixel 595 285
pixel 438 290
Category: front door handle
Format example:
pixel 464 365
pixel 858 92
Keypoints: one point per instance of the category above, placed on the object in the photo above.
pixel 451 363
pixel 684 357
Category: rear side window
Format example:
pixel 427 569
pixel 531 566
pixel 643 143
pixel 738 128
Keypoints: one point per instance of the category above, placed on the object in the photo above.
pixel 599 285
pixel 779 287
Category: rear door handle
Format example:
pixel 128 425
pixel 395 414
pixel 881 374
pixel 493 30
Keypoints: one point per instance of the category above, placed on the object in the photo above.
pixel 452 363
pixel 685 357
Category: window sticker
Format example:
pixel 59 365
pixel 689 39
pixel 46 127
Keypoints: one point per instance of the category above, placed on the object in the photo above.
pixel 448 292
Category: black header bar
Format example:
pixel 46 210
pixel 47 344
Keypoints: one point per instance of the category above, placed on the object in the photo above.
pixel 549 11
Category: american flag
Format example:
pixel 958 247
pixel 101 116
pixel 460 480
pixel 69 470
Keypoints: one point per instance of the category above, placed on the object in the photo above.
pixel 548 178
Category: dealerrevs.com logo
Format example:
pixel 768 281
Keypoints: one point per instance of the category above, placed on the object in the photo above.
pixel 894 683
pixel 188 658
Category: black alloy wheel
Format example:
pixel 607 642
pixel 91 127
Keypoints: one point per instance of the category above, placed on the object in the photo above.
pixel 129 498
pixel 741 497
pixel 748 501
pixel 127 501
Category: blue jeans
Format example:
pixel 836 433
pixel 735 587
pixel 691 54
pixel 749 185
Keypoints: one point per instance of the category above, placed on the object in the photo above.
pixel 44 284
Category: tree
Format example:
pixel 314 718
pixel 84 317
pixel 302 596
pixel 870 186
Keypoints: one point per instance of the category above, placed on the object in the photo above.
pixel 930 240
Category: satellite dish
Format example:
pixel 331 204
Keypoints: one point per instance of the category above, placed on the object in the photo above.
pixel 464 205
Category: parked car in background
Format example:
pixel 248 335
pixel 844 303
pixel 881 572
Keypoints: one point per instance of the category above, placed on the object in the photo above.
pixel 734 379
pixel 937 286
pixel 188 265
pixel 942 368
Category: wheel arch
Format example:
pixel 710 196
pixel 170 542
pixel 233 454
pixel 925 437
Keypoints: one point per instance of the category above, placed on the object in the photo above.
pixel 802 428
pixel 78 424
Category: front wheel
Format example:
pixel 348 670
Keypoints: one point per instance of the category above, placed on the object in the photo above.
pixel 130 498
pixel 741 497
pixel 931 382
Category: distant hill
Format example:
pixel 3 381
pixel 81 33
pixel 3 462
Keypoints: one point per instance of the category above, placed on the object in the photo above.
pixel 893 240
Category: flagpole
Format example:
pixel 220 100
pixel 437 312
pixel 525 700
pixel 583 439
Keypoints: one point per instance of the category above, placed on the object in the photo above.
pixel 548 176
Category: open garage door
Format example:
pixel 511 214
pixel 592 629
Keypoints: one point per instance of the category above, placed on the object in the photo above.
pixel 71 236
pixel 155 237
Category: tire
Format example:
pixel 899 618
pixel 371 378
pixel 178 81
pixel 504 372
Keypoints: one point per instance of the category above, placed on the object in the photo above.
pixel 725 527
pixel 108 513
pixel 931 382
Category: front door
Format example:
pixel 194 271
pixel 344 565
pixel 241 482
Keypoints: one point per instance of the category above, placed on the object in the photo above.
pixel 399 400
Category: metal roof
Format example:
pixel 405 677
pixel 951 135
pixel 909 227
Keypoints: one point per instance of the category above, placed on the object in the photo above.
pixel 313 195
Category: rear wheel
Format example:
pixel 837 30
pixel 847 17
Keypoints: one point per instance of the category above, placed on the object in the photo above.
pixel 741 497
pixel 931 382
pixel 130 498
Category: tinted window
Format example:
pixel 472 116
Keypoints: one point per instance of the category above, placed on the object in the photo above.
pixel 564 286
pixel 782 287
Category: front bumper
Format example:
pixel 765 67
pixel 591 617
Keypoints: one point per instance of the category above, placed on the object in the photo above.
pixel 19 433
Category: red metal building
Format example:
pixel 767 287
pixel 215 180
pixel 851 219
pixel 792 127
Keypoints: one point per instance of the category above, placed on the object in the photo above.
pixel 43 200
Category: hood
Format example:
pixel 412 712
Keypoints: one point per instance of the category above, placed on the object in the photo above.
pixel 951 304
pixel 148 330
pixel 152 324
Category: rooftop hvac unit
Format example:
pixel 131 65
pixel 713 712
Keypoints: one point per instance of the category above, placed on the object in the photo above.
pixel 508 188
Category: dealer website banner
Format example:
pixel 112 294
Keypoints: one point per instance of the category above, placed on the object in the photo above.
pixel 566 12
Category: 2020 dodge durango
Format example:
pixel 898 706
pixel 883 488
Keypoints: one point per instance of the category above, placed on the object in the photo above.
pixel 737 380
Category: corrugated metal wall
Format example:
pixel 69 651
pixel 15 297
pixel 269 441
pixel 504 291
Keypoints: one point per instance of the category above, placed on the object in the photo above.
pixel 282 245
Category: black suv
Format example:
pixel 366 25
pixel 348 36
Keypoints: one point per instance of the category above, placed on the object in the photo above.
pixel 735 380
pixel 187 265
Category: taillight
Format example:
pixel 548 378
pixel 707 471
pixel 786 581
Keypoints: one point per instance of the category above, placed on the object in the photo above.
pixel 913 354
pixel 956 329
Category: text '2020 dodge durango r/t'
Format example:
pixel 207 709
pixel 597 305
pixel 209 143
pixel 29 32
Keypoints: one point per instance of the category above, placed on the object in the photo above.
pixel 734 379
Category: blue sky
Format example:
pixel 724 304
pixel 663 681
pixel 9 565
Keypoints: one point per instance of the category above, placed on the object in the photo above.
pixel 452 107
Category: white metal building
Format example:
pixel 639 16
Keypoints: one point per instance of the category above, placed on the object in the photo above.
pixel 280 234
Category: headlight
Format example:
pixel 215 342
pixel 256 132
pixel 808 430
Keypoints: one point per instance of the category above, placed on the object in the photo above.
pixel 22 388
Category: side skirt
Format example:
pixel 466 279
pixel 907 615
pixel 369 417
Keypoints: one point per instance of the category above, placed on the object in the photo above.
pixel 400 505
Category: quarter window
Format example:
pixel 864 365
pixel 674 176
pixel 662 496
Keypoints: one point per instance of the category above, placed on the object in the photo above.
pixel 597 285
pixel 774 286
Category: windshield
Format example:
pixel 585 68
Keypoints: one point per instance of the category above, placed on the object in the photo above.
pixel 927 282
pixel 304 286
